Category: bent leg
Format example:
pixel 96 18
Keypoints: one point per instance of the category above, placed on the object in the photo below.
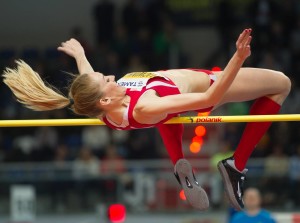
pixel 270 88
pixel 253 83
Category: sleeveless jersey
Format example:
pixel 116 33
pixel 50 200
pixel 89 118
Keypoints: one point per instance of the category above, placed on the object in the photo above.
pixel 139 82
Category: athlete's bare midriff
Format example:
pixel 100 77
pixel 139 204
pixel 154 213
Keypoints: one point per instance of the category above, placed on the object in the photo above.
pixel 188 81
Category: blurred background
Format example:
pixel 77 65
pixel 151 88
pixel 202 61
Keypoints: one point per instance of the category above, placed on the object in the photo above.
pixel 93 174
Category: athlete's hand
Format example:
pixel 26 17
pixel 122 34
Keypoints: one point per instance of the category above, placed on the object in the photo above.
pixel 73 48
pixel 243 49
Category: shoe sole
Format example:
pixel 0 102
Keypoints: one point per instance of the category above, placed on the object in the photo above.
pixel 228 187
pixel 196 195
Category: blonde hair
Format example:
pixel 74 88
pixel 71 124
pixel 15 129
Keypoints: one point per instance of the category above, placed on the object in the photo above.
pixel 86 95
pixel 34 93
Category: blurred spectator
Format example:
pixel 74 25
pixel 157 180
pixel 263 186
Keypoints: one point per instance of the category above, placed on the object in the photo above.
pixel 130 17
pixel 281 134
pixel 136 65
pixel 113 168
pixel 23 146
pixel 288 16
pixel 262 148
pixel 86 165
pixel 276 163
pixel 46 137
pixel 253 212
pixel 2 151
pixel 261 14
pixel 225 24
pixel 121 44
pixel 60 188
pixel 99 56
pixel 142 46
pixel 294 47
pixel 112 162
pixel 113 65
pixel 86 172
pixel 232 133
pixel 104 17
pixel 269 61
pixel 120 139
pixel 294 174
pixel 275 175
pixel 61 155
pixel 292 104
pixel 16 154
pixel 224 152
pixel 165 43
pixel 141 144
pixel 147 14
pixel 157 11
pixel 96 138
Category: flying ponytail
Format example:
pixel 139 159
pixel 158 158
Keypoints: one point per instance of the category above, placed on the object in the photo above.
pixel 31 90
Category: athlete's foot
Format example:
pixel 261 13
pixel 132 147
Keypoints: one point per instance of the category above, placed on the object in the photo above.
pixel 233 181
pixel 194 193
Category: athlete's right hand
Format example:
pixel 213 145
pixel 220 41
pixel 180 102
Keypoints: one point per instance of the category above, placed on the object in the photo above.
pixel 73 48
pixel 243 49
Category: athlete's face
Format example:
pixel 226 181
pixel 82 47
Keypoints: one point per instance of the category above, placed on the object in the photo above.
pixel 108 85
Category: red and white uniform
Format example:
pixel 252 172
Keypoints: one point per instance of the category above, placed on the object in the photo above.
pixel 137 84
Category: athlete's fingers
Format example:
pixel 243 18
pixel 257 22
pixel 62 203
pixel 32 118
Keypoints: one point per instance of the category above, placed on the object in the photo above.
pixel 239 42
pixel 248 34
pixel 248 41
pixel 244 36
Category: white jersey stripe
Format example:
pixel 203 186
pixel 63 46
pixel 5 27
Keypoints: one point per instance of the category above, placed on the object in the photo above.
pixel 159 83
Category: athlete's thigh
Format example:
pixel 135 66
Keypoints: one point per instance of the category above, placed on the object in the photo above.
pixel 252 83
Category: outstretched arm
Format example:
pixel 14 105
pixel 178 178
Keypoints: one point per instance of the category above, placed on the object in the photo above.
pixel 195 101
pixel 74 49
pixel 243 51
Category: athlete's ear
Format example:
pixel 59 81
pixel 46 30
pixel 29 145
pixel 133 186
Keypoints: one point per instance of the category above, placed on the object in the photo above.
pixel 105 101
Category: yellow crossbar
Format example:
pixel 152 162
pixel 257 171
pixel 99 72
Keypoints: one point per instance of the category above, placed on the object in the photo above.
pixel 183 120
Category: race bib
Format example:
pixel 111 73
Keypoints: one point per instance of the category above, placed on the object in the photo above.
pixel 136 80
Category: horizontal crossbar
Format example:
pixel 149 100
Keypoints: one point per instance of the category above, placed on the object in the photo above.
pixel 175 120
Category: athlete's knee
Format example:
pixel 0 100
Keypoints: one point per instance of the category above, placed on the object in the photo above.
pixel 283 86
pixel 286 84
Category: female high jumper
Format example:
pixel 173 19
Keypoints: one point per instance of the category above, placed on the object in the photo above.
pixel 148 99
